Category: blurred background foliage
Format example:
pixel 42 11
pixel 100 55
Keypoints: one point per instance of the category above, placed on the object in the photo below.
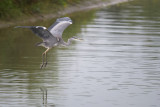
pixel 11 9
pixel 15 8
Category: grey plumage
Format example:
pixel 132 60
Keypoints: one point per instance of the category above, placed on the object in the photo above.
pixel 52 36
pixel 40 31
pixel 48 39
pixel 59 26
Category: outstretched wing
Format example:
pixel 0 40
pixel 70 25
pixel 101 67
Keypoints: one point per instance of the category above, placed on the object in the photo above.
pixel 59 26
pixel 40 31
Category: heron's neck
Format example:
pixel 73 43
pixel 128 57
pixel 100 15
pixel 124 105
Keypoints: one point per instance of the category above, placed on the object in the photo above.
pixel 69 41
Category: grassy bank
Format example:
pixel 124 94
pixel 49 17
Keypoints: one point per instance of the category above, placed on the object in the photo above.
pixel 11 9
pixel 13 12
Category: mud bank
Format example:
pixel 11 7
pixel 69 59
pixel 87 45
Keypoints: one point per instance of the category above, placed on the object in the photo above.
pixel 84 6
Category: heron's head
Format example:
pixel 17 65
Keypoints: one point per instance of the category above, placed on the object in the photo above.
pixel 76 38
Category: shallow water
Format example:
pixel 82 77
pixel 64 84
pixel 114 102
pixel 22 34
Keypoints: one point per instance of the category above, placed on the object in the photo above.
pixel 116 65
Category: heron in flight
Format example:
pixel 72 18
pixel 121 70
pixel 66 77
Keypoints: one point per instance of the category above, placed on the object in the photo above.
pixel 52 36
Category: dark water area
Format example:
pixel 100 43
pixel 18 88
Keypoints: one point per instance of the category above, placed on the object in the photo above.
pixel 116 65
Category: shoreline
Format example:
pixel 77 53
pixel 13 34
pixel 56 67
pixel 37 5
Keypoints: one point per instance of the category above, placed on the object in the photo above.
pixel 85 6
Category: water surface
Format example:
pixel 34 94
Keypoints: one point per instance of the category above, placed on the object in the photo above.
pixel 117 64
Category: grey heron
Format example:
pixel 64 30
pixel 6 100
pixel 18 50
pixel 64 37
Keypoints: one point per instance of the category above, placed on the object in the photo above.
pixel 52 36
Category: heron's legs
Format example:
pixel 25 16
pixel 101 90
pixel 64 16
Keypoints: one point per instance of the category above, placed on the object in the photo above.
pixel 46 59
pixel 42 60
pixel 44 56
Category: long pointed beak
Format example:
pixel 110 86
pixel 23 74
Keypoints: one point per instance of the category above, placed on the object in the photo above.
pixel 78 39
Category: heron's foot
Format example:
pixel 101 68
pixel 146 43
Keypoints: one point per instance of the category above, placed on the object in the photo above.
pixel 42 65
pixel 45 64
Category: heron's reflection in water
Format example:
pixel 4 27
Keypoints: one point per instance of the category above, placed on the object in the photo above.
pixel 44 96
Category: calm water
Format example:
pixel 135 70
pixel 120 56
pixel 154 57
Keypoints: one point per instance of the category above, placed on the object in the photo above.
pixel 117 64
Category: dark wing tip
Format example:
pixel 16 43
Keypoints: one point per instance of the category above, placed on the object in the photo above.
pixel 41 27
pixel 23 27
pixel 17 27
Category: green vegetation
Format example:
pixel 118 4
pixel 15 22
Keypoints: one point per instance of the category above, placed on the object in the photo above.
pixel 10 9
